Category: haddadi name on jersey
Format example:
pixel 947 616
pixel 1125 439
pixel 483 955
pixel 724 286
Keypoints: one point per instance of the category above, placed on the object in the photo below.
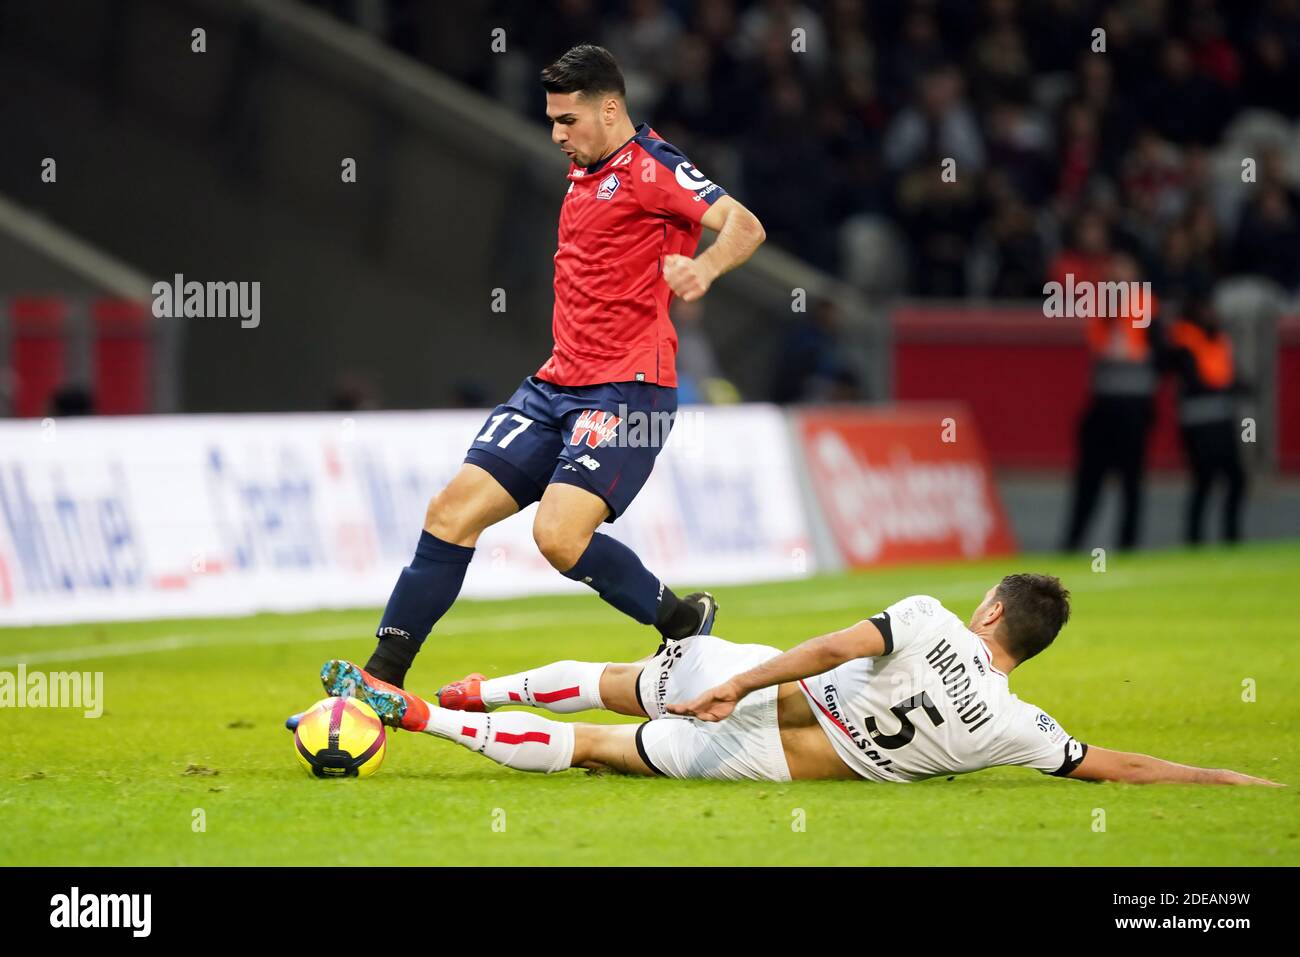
pixel 971 709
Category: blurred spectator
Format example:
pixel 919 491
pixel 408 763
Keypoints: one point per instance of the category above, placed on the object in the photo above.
pixel 643 42
pixel 1018 145
pixel 71 399
pixel 1078 155
pixel 1015 249
pixel 1202 362
pixel 472 394
pixel 690 97
pixel 1152 179
pixel 999 63
pixel 1182 270
pixel 939 124
pixel 1088 255
pixel 917 49
pixel 1185 105
pixel 1212 54
pixel 810 365
pixel 793 214
pixel 940 220
pixel 1112 111
pixel 699 376
pixel 1272 71
pixel 352 392
pixel 1268 238
pixel 557 26
pixel 768 19
pixel 1113 432
pixel 1058 30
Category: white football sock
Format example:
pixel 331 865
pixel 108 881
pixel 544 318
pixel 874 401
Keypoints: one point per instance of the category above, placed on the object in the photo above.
pixel 517 739
pixel 563 687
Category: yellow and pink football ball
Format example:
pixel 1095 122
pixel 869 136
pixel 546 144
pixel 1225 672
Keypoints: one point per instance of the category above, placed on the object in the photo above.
pixel 340 738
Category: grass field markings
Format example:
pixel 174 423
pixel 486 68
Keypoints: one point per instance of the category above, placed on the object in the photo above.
pixel 288 632
pixel 281 634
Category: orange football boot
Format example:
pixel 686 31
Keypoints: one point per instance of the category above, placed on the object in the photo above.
pixel 395 707
pixel 463 695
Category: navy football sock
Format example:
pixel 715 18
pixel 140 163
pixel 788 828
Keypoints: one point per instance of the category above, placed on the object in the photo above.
pixel 424 591
pixel 618 576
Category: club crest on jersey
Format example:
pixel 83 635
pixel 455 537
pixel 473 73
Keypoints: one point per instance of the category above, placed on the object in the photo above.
pixel 608 187
pixel 595 427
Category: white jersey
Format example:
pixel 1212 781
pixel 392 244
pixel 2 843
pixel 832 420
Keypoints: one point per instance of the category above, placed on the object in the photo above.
pixel 932 704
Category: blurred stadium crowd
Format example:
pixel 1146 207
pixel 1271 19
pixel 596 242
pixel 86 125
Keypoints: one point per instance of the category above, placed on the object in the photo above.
pixel 1064 156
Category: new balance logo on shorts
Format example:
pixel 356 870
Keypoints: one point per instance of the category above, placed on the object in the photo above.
pixel 588 461
pixel 595 427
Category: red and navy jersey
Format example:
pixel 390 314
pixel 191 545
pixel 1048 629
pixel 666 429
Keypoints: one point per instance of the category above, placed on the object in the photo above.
pixel 619 219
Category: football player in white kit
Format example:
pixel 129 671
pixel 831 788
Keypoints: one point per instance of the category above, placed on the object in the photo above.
pixel 907 694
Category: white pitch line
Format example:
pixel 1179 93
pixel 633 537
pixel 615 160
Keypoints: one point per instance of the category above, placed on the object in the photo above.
pixel 288 634
pixel 272 635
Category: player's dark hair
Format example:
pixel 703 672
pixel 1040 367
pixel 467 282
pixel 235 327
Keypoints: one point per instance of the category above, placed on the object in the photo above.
pixel 1035 608
pixel 586 69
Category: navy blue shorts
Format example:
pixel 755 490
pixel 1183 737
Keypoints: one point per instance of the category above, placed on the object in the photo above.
pixel 603 438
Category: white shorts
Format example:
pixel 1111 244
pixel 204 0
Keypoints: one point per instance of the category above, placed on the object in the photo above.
pixel 744 746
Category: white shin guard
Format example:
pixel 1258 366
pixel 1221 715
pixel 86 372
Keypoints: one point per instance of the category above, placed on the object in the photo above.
pixel 563 687
pixel 516 739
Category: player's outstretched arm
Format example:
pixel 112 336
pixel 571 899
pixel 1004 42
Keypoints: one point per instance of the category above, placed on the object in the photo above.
pixel 739 234
pixel 1102 765
pixel 813 657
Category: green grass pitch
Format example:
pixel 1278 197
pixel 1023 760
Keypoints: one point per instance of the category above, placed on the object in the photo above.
pixel 1156 658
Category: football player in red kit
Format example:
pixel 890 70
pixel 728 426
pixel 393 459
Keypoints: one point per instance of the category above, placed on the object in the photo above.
pixel 630 222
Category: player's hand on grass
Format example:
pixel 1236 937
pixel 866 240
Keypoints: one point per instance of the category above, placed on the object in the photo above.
pixel 1228 776
pixel 714 705
pixel 687 278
